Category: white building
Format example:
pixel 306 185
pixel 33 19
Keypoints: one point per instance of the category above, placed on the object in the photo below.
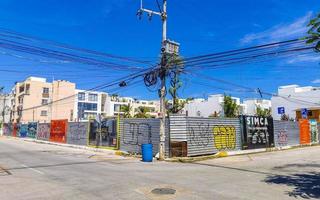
pixel 251 105
pixel 88 104
pixel 292 98
pixel 212 105
pixel 114 104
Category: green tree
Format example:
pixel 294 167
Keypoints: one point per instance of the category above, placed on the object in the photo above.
pixel 230 107
pixel 126 109
pixel 263 112
pixel 176 65
pixel 314 32
pixel 142 112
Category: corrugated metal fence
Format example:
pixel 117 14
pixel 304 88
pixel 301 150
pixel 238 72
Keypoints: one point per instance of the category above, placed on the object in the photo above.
pixel 206 135
pixel 134 132
pixel 286 133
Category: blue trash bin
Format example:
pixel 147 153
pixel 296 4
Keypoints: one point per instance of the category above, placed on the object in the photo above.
pixel 146 151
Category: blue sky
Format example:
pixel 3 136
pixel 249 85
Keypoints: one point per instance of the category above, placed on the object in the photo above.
pixel 201 27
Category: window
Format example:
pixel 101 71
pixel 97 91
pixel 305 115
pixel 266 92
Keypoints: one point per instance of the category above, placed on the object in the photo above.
pixel 27 88
pixel 45 90
pixel 87 106
pixel 117 107
pixel 21 88
pixel 93 97
pixel 81 96
pixel 20 100
pixel 44 101
pixel 44 113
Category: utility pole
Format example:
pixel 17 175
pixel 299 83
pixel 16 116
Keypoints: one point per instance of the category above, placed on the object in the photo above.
pixel 163 69
pixel 163 83
pixel 4 104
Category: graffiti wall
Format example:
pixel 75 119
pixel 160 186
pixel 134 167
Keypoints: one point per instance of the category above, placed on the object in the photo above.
pixel 211 135
pixel 206 135
pixel 23 130
pixel 135 132
pixel 8 129
pixel 286 133
pixel 314 131
pixel 104 133
pixel 77 133
pixel 257 132
pixel 43 132
pixel 58 131
pixel 304 131
pixel 32 129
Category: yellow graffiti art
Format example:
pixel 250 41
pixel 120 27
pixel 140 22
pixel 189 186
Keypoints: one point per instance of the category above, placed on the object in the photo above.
pixel 224 137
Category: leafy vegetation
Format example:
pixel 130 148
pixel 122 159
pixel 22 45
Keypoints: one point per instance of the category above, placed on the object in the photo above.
pixel 263 112
pixel 230 107
pixel 142 112
pixel 314 32
pixel 126 109
pixel 175 84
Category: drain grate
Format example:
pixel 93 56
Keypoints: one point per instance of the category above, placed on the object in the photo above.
pixel 163 191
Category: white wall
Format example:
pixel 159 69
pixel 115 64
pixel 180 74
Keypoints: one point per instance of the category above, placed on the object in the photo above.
pixel 252 104
pixel 294 97
pixel 205 108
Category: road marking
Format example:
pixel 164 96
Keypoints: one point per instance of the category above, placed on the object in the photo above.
pixel 35 170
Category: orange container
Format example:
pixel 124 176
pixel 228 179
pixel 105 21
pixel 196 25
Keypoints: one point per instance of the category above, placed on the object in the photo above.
pixel 58 130
pixel 304 131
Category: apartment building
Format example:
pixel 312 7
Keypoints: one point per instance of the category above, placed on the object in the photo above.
pixel 35 99
pixel 114 106
pixel 89 104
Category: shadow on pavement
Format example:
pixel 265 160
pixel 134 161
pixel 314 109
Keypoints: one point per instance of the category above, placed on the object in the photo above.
pixel 306 185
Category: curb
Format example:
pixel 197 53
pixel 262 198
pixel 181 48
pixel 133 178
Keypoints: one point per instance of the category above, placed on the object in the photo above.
pixel 222 154
pixel 108 151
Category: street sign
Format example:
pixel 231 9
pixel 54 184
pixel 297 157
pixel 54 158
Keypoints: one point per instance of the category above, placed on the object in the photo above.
pixel 304 113
pixel 281 110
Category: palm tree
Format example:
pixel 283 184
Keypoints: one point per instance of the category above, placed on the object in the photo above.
pixel 126 109
pixel 142 112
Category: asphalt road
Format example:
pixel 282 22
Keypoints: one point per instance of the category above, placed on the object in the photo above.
pixel 40 171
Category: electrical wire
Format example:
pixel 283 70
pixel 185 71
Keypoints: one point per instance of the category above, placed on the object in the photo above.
pixel 115 82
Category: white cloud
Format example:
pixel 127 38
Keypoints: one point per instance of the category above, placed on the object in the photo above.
pixel 280 32
pixel 316 81
pixel 309 58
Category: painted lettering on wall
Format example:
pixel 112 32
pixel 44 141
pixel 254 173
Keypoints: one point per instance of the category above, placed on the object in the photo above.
pixel 138 133
pixel 282 137
pixel 257 132
pixel 23 130
pixel 224 137
pixel 77 131
pixel 43 131
pixel 32 129
pixel 200 134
